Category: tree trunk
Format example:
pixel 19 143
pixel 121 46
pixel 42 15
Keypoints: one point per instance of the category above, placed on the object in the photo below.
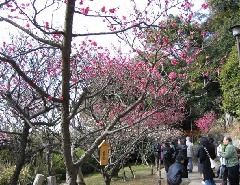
pixel 21 159
pixel 116 170
pixel 49 155
pixel 72 179
pixel 106 176
pixel 49 163
pixel 107 180
pixel 80 179
pixel 66 75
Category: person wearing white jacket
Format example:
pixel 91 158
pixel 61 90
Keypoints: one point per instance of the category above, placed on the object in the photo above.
pixel 222 170
pixel 190 154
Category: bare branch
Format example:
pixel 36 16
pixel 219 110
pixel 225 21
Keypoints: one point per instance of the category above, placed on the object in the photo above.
pixel 26 78
pixel 49 42
pixel 141 25
pixel 4 3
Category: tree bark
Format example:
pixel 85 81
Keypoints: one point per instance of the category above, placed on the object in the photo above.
pixel 107 180
pixel 106 176
pixel 116 170
pixel 21 159
pixel 80 179
pixel 65 121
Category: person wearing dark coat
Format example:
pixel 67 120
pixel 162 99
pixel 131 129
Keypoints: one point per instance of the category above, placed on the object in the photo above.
pixel 177 173
pixel 157 154
pixel 205 161
pixel 168 158
pixel 181 150
pixel 211 147
pixel 200 166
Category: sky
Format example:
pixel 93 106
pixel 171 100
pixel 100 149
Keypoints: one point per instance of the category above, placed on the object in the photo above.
pixel 87 24
pixel 91 25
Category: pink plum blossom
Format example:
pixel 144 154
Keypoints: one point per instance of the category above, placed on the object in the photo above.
pixel 174 62
pixel 172 75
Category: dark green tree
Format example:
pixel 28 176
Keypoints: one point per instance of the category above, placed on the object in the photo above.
pixel 205 92
pixel 230 84
pixel 224 14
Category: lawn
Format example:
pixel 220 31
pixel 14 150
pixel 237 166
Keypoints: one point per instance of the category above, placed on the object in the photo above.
pixel 142 173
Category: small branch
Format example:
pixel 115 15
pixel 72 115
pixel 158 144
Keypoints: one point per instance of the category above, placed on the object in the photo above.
pixel 27 79
pixel 49 42
pixel 119 31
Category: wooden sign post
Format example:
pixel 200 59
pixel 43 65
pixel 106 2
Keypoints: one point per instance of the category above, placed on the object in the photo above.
pixel 104 147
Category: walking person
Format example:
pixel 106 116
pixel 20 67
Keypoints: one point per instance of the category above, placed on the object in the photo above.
pixel 157 154
pixel 162 155
pixel 181 149
pixel 168 158
pixel 219 150
pixel 200 165
pixel 177 173
pixel 230 154
pixel 212 149
pixel 205 153
pixel 173 146
pixel 222 172
pixel 190 154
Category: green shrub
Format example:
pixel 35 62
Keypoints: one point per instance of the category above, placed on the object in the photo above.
pixel 6 157
pixel 90 165
pixel 58 168
pixel 24 178
pixel 5 175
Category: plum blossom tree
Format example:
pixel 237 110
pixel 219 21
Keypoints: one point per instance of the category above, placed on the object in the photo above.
pixel 131 144
pixel 4 139
pixel 53 71
pixel 206 122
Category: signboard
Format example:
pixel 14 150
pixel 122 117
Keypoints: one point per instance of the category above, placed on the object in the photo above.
pixel 104 147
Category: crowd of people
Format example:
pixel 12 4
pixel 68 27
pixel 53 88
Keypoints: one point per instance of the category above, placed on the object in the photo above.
pixel 178 158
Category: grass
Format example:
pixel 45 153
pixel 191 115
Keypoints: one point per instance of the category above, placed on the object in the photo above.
pixel 142 173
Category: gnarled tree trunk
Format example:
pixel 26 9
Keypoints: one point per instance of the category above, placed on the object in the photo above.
pixel 21 158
